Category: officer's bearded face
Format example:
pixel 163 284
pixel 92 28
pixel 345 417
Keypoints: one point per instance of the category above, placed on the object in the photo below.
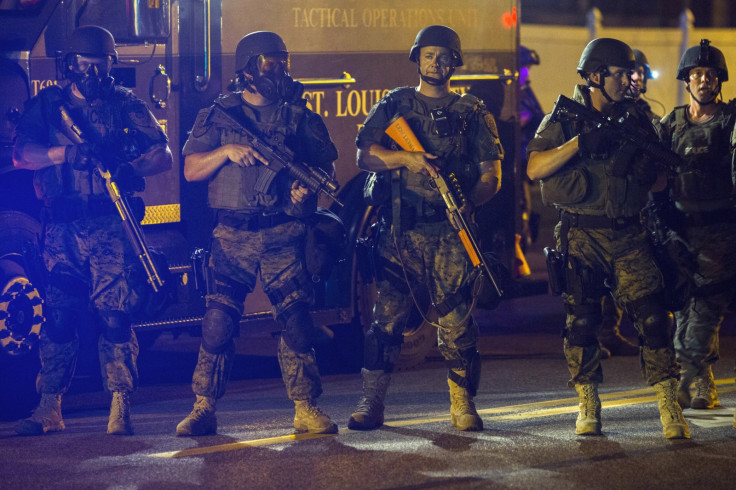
pixel 617 82
pixel 435 61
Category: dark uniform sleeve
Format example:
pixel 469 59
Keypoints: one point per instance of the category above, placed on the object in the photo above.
pixel 319 150
pixel 203 137
pixel 373 130
pixel 146 130
pixel 34 124
pixel 487 144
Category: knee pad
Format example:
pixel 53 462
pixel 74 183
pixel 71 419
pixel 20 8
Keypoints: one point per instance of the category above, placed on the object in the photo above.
pixel 583 330
pixel 219 325
pixel 116 326
pixel 297 327
pixel 655 324
pixel 60 324
pixel 469 362
pixel 381 350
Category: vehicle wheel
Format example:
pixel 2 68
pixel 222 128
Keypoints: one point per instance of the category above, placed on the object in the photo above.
pixel 21 317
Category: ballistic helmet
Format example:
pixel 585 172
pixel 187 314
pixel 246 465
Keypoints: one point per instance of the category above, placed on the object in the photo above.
pixel 257 43
pixel 92 41
pixel 527 57
pixel 702 55
pixel 441 36
pixel 641 60
pixel 604 52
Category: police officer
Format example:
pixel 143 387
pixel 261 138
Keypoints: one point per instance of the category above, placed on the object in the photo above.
pixel 702 189
pixel 259 232
pixel 88 258
pixel 639 77
pixel 417 244
pixel 599 184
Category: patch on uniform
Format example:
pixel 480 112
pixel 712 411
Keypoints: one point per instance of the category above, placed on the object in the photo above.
pixel 200 124
pixel 138 114
pixel 491 123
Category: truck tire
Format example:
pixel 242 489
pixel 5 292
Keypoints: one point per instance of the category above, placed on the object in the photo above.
pixel 21 317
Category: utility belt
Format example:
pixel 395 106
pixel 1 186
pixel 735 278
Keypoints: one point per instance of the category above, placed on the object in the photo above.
pixel 412 216
pixel 65 210
pixel 252 222
pixel 706 218
pixel 572 220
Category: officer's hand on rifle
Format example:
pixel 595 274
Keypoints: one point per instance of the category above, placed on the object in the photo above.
pixel 594 141
pixel 299 193
pixel 419 163
pixel 80 156
pixel 127 180
pixel 243 155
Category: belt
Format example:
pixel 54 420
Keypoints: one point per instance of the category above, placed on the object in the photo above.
pixel 65 210
pixel 592 221
pixel 253 222
pixel 706 218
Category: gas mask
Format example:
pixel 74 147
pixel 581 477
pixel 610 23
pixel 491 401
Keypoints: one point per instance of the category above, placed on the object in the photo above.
pixel 272 80
pixel 91 75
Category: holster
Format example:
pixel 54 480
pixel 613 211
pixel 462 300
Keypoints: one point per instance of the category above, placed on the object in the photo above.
pixel 556 270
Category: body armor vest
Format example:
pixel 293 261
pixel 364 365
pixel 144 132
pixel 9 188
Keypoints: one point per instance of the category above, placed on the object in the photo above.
pixel 443 135
pixel 233 187
pixel 705 179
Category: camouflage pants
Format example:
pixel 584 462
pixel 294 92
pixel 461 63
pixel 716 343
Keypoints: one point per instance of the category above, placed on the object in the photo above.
pixel 277 254
pixel 698 323
pixel 619 260
pixel 90 264
pixel 432 257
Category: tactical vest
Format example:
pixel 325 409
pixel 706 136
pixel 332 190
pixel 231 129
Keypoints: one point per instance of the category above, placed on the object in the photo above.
pixel 595 186
pixel 705 179
pixel 233 187
pixel 446 139
pixel 122 121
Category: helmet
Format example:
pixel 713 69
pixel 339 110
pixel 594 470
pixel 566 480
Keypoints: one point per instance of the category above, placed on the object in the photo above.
pixel 702 55
pixel 441 36
pixel 527 57
pixel 256 43
pixel 604 52
pixel 92 41
pixel 641 60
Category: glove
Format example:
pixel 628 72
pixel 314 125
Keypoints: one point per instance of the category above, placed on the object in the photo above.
pixel 643 171
pixel 80 156
pixel 127 180
pixel 593 142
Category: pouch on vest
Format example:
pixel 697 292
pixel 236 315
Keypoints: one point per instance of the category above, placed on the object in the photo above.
pixel 568 187
pixel 325 243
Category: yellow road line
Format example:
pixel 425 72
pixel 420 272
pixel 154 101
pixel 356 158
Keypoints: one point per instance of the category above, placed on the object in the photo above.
pixel 520 411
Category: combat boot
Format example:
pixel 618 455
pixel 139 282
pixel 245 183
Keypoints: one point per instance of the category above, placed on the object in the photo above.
pixel 706 395
pixel 368 414
pixel 588 422
pixel 309 418
pixel 45 418
pixel 119 423
pixel 201 421
pixel 462 409
pixel 683 391
pixel 674 425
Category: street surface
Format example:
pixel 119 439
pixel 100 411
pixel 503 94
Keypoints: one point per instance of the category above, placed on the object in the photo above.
pixel 528 412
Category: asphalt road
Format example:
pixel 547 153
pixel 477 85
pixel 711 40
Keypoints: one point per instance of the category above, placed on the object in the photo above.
pixel 528 412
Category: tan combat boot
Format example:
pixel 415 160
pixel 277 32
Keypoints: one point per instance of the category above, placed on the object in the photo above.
pixel 368 414
pixel 706 395
pixel 674 425
pixel 119 423
pixel 45 418
pixel 201 421
pixel 462 409
pixel 588 422
pixel 309 418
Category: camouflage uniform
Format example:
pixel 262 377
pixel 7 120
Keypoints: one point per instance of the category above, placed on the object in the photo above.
pixel 702 189
pixel 90 262
pixel 607 248
pixel 424 249
pixel 259 233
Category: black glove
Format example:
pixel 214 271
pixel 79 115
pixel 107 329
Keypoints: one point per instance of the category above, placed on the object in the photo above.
pixel 80 156
pixel 593 142
pixel 127 180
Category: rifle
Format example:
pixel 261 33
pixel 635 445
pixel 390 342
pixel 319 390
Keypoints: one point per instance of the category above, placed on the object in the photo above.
pixel 106 162
pixel 280 157
pixel 402 134
pixel 567 109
